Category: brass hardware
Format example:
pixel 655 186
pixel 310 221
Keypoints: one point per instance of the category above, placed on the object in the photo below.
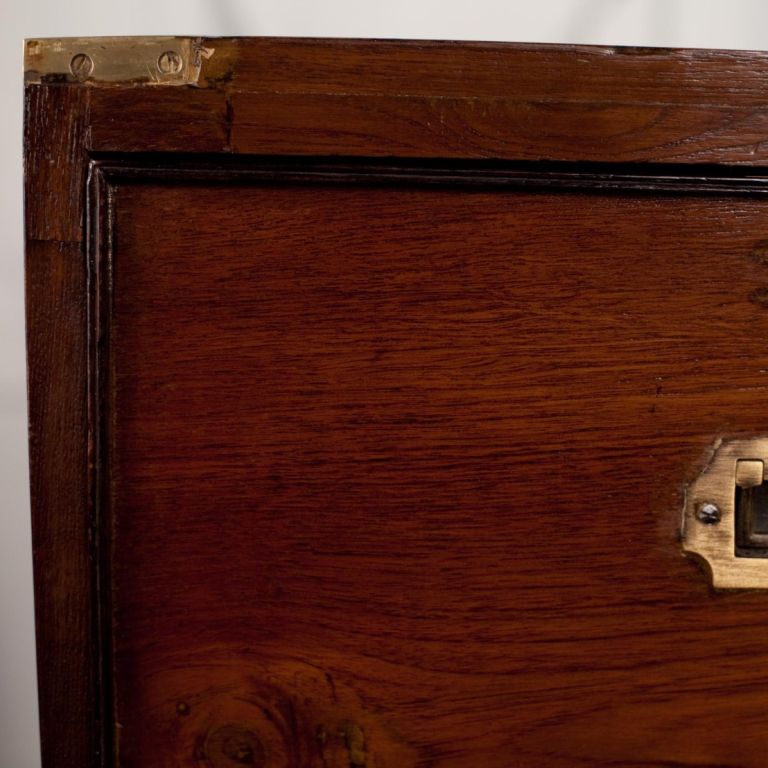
pixel 100 60
pixel 709 514
pixel 749 472
pixel 723 520
pixel 81 66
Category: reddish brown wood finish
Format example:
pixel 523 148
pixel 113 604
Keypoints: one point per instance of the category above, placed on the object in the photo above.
pixel 56 294
pixel 381 462
pixel 449 100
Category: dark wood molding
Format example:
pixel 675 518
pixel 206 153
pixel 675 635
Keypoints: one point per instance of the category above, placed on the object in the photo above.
pixel 116 168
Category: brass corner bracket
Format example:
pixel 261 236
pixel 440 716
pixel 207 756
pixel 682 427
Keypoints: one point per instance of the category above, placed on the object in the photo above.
pixel 725 520
pixel 110 60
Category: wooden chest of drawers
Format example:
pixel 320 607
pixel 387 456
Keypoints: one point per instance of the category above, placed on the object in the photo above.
pixel 366 381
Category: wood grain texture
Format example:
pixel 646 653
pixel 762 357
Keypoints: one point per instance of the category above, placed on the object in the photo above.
pixel 390 416
pixel 61 527
pixel 413 126
pixel 158 120
pixel 55 162
pixel 402 468
pixel 421 99
pixel 57 301
pixel 523 71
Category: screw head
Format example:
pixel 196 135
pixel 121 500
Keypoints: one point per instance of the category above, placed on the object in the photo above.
pixel 709 513
pixel 169 63
pixel 81 66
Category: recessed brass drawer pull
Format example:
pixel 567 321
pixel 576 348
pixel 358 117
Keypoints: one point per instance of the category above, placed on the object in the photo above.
pixel 725 521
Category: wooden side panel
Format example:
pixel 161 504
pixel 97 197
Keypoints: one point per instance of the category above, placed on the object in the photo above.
pixel 55 127
pixel 56 297
pixel 398 475
pixel 56 323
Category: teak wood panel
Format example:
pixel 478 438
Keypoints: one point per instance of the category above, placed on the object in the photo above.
pixel 424 448
pixel 357 462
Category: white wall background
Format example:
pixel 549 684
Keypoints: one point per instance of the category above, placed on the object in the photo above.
pixel 674 23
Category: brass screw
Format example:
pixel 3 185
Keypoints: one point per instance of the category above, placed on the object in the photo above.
pixel 81 66
pixel 709 514
pixel 169 63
